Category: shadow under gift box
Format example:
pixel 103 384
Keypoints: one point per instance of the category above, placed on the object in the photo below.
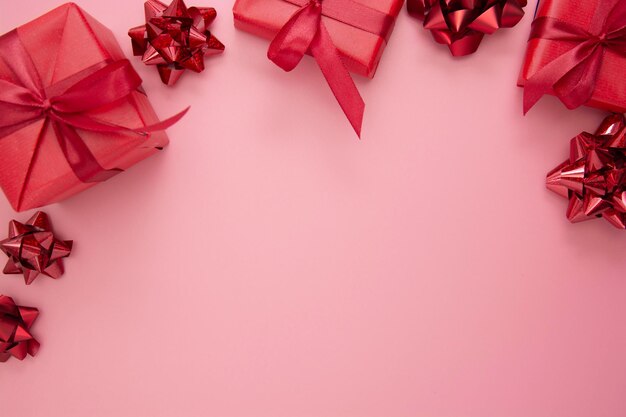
pixel 33 169
pixel 361 50
pixel 610 91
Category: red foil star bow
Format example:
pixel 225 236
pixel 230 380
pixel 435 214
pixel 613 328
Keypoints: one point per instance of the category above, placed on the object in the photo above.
pixel 15 324
pixel 572 76
pixel 462 24
pixel 594 176
pixel 33 250
pixel 175 38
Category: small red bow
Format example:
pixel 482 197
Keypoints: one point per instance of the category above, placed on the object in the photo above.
pixel 573 75
pixel 594 176
pixel 462 24
pixel 175 38
pixel 305 31
pixel 33 249
pixel 15 324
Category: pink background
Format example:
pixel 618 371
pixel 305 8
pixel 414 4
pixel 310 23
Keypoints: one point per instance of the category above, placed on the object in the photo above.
pixel 269 264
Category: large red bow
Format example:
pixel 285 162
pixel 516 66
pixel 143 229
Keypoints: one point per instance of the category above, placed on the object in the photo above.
pixel 594 176
pixel 64 107
pixel 304 32
pixel 462 24
pixel 573 75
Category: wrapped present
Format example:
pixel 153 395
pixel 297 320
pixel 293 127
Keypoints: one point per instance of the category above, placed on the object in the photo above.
pixel 577 51
pixel 342 35
pixel 594 176
pixel 72 112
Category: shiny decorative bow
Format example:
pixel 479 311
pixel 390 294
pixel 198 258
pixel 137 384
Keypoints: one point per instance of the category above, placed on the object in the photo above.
pixel 15 324
pixel 462 24
pixel 65 109
pixel 305 31
pixel 594 176
pixel 32 249
pixel 175 38
pixel 573 75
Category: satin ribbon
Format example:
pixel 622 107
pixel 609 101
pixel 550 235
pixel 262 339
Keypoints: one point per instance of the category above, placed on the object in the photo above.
pixel 64 109
pixel 573 75
pixel 305 31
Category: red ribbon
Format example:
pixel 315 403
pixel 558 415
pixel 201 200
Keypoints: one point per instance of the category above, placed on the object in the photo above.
pixel 462 24
pixel 573 75
pixel 305 31
pixel 64 109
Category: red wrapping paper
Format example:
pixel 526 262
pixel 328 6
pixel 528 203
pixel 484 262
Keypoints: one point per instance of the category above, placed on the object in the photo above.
pixel 361 51
pixel 610 90
pixel 33 170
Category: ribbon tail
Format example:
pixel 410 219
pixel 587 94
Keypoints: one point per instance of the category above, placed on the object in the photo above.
pixel 88 123
pixel 577 87
pixel 544 81
pixel 338 78
pixel 79 156
pixel 164 124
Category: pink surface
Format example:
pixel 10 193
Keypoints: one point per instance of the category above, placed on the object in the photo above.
pixel 269 264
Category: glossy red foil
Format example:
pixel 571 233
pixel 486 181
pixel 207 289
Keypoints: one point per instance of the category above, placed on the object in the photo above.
pixel 34 250
pixel 610 84
pixel 33 169
pixel 15 323
pixel 175 38
pixel 462 24
pixel 361 50
pixel 594 176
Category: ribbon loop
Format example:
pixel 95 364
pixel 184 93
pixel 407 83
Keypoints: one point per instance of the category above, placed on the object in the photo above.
pixel 295 38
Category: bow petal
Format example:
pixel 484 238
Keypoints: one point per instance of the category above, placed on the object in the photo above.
pixel 294 39
pixel 107 85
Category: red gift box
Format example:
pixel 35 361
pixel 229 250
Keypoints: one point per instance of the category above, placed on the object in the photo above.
pixel 360 49
pixel 42 158
pixel 582 40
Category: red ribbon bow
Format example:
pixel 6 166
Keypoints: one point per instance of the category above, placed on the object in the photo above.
pixel 15 323
pixel 462 24
pixel 33 249
pixel 594 176
pixel 64 108
pixel 305 31
pixel 175 38
pixel 573 75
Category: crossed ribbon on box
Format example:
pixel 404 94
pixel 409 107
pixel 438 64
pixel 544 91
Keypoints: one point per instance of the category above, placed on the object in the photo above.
pixel 573 75
pixel 65 108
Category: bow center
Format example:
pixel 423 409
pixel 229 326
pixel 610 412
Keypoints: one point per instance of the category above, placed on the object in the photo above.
pixel 46 105
pixel 601 39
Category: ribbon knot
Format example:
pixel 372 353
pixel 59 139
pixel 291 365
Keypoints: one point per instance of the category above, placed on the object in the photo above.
pixel 46 105
pixel 573 75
